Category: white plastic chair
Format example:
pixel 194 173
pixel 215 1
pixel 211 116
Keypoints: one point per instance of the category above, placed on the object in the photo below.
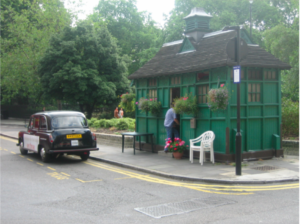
pixel 207 140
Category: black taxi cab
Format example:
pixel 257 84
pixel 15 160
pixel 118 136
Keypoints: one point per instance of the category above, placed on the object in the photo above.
pixel 54 133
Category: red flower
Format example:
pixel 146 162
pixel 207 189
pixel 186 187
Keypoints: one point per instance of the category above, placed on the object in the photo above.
pixel 171 146
pixel 222 85
pixel 175 148
pixel 176 144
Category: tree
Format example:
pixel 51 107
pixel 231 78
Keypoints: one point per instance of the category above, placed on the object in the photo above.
pixel 83 65
pixel 27 27
pixel 137 35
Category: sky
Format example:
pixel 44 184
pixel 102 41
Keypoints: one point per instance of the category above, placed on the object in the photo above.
pixel 156 7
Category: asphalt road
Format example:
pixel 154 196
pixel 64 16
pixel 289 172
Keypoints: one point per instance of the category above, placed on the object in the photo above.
pixel 69 190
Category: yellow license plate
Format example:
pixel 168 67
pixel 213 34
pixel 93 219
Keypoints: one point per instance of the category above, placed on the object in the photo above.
pixel 74 136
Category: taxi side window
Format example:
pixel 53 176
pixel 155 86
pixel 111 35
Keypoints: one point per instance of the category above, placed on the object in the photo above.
pixel 31 123
pixel 43 123
pixel 36 122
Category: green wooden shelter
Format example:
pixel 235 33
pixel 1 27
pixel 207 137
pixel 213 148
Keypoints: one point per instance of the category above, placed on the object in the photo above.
pixel 200 62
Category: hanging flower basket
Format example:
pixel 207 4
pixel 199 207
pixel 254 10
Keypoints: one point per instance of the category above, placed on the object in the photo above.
pixel 186 105
pixel 217 99
pixel 152 105
pixel 127 101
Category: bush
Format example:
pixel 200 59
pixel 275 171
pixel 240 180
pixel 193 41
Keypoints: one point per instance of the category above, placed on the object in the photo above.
pixel 96 124
pixel 128 102
pixel 290 117
pixel 106 115
pixel 108 123
pixel 91 121
pixel 122 125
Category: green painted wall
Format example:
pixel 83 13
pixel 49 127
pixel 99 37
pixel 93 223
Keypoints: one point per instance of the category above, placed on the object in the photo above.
pixel 259 120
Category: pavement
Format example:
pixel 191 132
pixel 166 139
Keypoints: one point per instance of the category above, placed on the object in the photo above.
pixel 162 164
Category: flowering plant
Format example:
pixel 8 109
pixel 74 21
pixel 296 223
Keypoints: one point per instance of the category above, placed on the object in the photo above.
pixel 187 104
pixel 217 99
pixel 127 101
pixel 151 105
pixel 177 146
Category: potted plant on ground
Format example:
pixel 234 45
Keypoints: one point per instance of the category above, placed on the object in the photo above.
pixel 217 99
pixel 177 147
pixel 152 105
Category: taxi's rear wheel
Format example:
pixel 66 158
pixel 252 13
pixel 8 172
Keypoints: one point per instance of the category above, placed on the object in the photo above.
pixel 44 155
pixel 85 156
pixel 22 150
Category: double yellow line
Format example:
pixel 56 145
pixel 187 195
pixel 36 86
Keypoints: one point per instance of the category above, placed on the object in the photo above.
pixel 208 188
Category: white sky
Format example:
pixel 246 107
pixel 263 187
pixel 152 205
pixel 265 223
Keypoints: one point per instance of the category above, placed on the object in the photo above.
pixel 156 7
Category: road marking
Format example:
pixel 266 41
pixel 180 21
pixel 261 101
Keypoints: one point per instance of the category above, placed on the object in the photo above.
pixel 40 164
pixel 21 156
pixel 65 174
pixel 5 149
pixel 30 160
pixel 208 188
pixel 13 152
pixel 50 168
pixel 87 181
pixel 9 139
pixel 58 176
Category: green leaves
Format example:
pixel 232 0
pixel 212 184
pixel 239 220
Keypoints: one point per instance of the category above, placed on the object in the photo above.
pixel 82 65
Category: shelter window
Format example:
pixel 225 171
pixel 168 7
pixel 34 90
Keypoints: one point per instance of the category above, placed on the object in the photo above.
pixel 202 92
pixel 152 94
pixel 254 74
pixel 254 90
pixel 270 75
pixel 175 80
pixel 152 82
pixel 203 76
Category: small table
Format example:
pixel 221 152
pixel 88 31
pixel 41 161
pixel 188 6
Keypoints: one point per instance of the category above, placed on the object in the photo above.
pixel 136 134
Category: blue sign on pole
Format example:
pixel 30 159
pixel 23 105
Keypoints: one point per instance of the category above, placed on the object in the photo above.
pixel 237 74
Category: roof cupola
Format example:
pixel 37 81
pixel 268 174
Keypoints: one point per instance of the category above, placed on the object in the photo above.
pixel 197 23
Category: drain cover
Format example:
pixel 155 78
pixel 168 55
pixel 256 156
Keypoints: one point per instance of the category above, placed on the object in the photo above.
pixel 265 168
pixel 176 208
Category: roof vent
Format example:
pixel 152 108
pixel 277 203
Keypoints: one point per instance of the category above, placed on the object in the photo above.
pixel 197 23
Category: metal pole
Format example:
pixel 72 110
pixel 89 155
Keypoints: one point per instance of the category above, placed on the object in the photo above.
pixel 250 18
pixel 238 137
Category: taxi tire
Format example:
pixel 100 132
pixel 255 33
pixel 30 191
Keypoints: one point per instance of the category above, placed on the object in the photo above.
pixel 84 157
pixel 22 150
pixel 44 155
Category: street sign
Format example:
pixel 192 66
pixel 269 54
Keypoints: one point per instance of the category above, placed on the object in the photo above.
pixel 236 74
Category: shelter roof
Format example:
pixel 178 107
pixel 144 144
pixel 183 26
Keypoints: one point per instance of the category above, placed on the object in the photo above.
pixel 210 52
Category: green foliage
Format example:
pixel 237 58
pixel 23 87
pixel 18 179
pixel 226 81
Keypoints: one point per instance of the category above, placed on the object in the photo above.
pixel 108 123
pixel 122 125
pixel 175 146
pixel 106 115
pixel 217 99
pixel 128 102
pixel 283 42
pixel 83 65
pixel 290 117
pixel 187 105
pixel 91 121
pixel 26 27
pixel 152 105
pixel 136 32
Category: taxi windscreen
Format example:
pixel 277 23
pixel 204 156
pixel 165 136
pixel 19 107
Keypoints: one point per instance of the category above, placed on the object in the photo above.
pixel 69 122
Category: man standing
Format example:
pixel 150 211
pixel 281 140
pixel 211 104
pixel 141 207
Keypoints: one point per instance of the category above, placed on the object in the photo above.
pixel 170 118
